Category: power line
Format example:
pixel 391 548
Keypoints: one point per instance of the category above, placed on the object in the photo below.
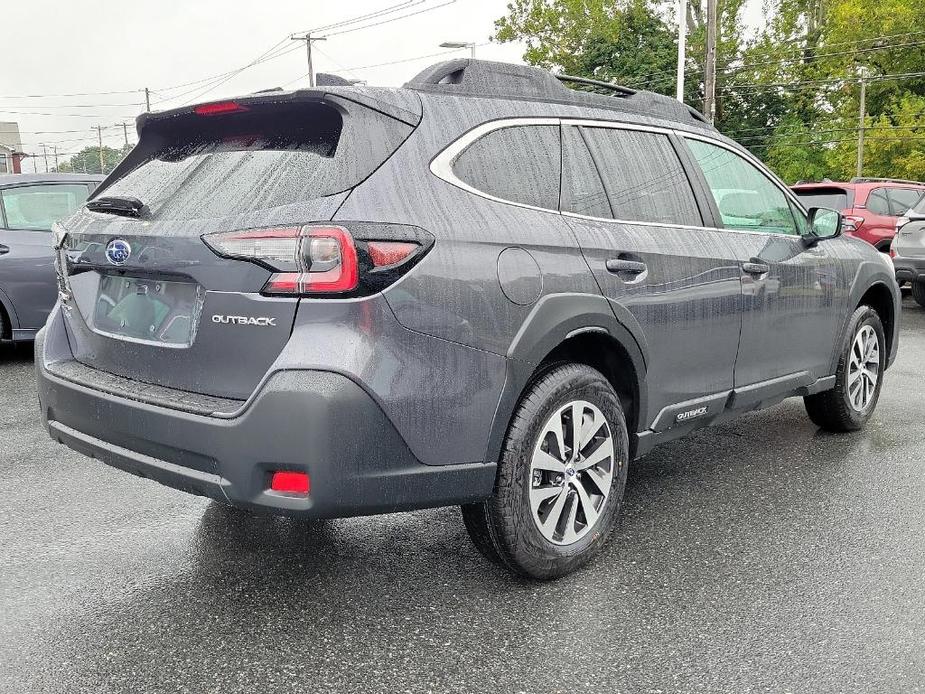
pixel 369 15
pixel 73 105
pixel 835 80
pixel 392 19
pixel 409 60
pixel 664 75
pixel 64 96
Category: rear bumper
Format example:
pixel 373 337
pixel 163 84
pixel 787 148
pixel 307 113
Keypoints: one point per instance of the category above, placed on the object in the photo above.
pixel 909 269
pixel 315 421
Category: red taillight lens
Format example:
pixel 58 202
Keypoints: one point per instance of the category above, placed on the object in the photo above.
pixel 385 253
pixel 290 483
pixel 218 108
pixel 851 223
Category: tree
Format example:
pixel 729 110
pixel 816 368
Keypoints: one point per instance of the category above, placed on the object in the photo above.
pixel 87 160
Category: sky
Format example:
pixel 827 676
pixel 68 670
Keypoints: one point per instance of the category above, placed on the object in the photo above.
pixel 91 46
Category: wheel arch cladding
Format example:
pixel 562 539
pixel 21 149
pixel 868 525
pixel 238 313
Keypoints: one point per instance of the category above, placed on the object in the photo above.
pixel 579 328
pixel 879 298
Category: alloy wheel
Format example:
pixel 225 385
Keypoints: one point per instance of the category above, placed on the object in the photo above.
pixel 571 472
pixel 863 368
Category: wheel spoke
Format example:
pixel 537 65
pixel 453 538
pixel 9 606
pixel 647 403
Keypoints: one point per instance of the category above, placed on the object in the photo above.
pixel 589 430
pixel 858 396
pixel 555 513
pixel 558 430
pixel 540 494
pixel 601 480
pixel 569 534
pixel 577 416
pixel 600 454
pixel 853 377
pixel 587 507
pixel 543 461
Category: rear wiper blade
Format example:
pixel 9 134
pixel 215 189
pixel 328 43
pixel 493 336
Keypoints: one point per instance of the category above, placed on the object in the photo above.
pixel 117 204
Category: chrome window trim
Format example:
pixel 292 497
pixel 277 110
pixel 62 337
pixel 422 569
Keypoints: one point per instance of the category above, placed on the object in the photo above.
pixel 441 166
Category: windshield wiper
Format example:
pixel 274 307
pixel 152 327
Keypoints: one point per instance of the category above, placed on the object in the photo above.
pixel 124 206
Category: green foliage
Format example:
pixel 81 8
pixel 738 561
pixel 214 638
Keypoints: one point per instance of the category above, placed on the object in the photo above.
pixel 790 93
pixel 87 160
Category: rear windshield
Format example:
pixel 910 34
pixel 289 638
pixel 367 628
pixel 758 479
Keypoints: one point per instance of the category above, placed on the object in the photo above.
pixel 270 155
pixel 834 198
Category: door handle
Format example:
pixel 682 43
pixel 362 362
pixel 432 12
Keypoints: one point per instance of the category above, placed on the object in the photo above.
pixel 753 268
pixel 4 249
pixel 632 267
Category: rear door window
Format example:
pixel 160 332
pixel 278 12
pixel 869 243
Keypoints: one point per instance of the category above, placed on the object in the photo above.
pixel 37 207
pixel 518 164
pixel 747 199
pixel 642 176
pixel 265 156
pixel 903 199
pixel 878 202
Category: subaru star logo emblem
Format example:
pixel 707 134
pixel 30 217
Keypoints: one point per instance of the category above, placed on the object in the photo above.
pixel 118 251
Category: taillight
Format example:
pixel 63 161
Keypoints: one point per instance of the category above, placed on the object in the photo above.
pixel 326 259
pixel 327 263
pixel 851 223
pixel 218 108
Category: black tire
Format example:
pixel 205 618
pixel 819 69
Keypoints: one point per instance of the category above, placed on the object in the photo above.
pixel 832 409
pixel 918 292
pixel 503 527
pixel 3 324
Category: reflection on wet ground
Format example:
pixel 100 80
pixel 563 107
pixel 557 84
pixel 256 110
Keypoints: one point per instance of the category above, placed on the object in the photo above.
pixel 757 555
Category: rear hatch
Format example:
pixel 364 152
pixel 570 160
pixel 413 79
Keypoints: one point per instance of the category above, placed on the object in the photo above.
pixel 146 298
pixel 833 197
pixel 910 233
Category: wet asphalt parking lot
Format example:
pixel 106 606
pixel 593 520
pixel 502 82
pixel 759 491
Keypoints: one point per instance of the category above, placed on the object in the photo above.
pixel 757 556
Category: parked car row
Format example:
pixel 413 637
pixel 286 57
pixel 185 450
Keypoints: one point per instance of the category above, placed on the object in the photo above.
pixel 886 213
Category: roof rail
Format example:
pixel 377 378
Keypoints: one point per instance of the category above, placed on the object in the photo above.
pixel 618 88
pixel 866 179
pixel 488 79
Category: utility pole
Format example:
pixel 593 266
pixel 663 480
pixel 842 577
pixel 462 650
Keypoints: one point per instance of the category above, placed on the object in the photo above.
pixel 709 82
pixel 147 100
pixel 99 134
pixel 309 39
pixel 45 154
pixel 862 117
pixel 125 132
pixel 682 46
pixel 55 148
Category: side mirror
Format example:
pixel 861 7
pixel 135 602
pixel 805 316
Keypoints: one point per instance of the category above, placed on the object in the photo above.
pixel 824 223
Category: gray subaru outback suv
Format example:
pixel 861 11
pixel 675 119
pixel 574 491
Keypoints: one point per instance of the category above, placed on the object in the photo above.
pixel 485 289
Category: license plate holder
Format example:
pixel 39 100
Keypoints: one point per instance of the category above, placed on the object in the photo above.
pixel 142 309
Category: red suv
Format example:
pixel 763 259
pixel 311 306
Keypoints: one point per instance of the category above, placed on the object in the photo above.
pixel 870 206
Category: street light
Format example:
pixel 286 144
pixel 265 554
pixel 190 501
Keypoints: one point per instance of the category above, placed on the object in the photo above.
pixel 460 44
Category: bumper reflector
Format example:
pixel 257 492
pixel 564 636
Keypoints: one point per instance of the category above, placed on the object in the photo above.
pixel 290 483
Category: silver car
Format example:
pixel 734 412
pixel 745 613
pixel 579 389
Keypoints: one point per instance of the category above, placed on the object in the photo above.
pixel 908 251
pixel 29 204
